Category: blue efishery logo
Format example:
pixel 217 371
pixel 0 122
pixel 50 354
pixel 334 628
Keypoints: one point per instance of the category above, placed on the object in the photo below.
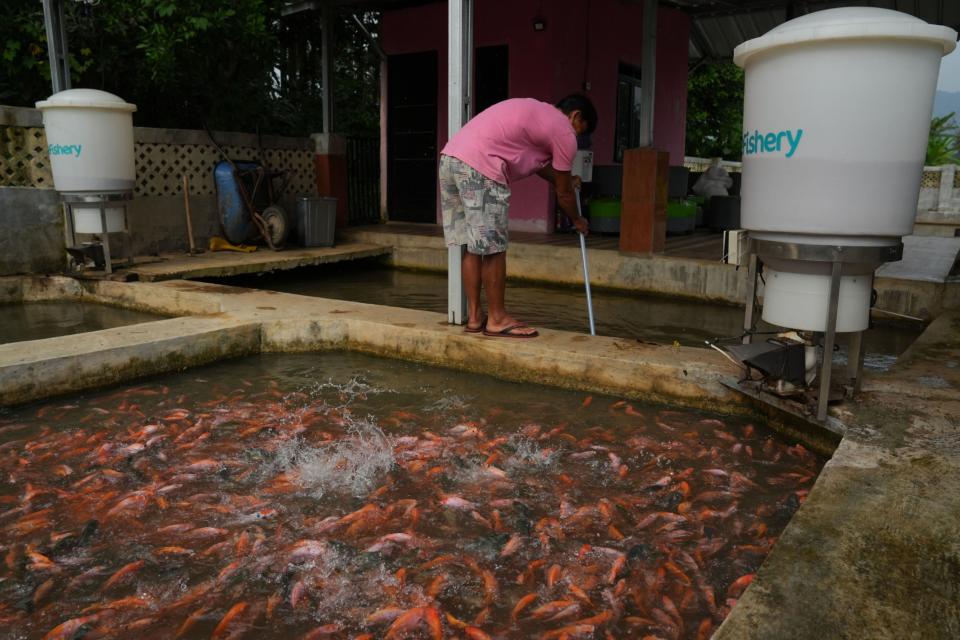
pixel 787 140
pixel 64 149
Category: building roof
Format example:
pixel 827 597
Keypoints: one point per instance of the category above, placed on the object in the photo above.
pixel 720 25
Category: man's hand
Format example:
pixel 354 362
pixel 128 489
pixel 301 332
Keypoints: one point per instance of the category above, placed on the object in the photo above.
pixel 577 182
pixel 582 225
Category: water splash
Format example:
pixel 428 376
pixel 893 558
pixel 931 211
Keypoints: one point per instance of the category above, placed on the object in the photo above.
pixel 354 389
pixel 448 404
pixel 352 464
pixel 529 457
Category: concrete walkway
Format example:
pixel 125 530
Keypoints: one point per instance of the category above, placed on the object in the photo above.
pixel 925 259
pixel 234 320
pixel 230 263
pixel 875 550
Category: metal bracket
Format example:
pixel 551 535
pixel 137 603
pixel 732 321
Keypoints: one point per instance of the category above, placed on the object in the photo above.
pixel 827 253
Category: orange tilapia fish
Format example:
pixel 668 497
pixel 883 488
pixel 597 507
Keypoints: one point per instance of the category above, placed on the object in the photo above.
pixel 222 508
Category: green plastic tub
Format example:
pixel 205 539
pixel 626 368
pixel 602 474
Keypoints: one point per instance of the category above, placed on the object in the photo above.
pixel 681 216
pixel 605 215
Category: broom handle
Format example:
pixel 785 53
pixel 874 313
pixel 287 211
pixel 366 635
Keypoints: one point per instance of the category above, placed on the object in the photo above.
pixel 586 270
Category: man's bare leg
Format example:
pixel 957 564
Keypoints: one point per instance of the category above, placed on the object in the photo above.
pixel 494 273
pixel 470 268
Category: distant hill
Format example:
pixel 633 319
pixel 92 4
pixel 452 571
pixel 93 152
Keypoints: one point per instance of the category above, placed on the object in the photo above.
pixel 947 102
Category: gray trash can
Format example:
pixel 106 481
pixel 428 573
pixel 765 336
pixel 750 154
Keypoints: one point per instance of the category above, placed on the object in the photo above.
pixel 316 220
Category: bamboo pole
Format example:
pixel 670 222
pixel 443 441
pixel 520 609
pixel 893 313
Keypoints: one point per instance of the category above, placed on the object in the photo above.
pixel 186 209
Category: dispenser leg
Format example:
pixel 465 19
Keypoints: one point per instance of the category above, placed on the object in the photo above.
pixel 855 361
pixel 107 265
pixel 127 243
pixel 751 307
pixel 71 230
pixel 828 340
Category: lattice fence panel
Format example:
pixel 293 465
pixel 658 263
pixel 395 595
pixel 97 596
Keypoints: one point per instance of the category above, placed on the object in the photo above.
pixel 160 167
pixel 23 158
pixel 930 180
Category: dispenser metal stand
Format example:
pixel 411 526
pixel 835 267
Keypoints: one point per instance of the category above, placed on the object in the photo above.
pixel 101 202
pixel 836 256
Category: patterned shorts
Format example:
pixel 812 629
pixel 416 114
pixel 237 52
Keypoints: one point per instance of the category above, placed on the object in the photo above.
pixel 474 208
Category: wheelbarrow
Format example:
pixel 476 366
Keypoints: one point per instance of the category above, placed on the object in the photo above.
pixel 248 201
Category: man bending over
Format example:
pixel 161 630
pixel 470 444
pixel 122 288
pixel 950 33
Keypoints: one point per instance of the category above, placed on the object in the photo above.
pixel 509 141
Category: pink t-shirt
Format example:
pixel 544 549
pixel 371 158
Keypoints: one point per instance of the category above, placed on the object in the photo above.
pixel 514 139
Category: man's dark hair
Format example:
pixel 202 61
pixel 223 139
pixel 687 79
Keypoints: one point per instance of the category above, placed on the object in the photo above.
pixel 581 103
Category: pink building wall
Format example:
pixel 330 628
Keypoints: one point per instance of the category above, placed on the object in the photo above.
pixel 580 48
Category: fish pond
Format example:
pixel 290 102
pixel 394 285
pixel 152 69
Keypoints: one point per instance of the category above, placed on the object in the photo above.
pixel 38 320
pixel 658 319
pixel 336 495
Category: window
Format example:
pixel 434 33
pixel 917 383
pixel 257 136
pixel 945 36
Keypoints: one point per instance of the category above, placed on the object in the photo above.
pixel 628 110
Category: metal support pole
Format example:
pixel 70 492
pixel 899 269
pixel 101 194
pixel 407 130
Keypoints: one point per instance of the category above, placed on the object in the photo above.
pixel 828 340
pixel 648 71
pixel 459 80
pixel 326 75
pixel 56 44
pixel 750 310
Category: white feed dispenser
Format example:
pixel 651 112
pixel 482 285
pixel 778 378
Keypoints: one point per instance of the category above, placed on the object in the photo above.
pixel 90 145
pixel 89 140
pixel 837 110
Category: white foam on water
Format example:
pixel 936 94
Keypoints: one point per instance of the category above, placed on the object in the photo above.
pixel 356 388
pixel 353 464
pixel 529 457
pixel 448 403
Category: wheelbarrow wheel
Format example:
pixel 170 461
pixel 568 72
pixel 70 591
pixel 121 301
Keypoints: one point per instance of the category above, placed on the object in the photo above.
pixel 278 224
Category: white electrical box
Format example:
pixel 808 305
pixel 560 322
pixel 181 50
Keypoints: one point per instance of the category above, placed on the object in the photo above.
pixel 735 247
pixel 583 165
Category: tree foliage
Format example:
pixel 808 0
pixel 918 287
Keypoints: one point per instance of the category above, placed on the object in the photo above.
pixel 715 111
pixel 943 145
pixel 357 76
pixel 229 64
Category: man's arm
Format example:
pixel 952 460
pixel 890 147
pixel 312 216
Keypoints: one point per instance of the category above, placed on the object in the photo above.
pixel 565 184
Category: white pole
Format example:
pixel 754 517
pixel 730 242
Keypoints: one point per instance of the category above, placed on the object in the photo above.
pixel 586 271
pixel 459 79
pixel 326 70
pixel 648 72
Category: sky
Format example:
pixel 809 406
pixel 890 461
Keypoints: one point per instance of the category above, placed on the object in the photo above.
pixel 950 72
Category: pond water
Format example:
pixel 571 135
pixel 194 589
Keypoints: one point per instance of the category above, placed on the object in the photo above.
pixel 650 318
pixel 336 495
pixel 38 320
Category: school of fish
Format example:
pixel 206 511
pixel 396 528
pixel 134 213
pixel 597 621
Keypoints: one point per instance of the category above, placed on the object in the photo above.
pixel 256 511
